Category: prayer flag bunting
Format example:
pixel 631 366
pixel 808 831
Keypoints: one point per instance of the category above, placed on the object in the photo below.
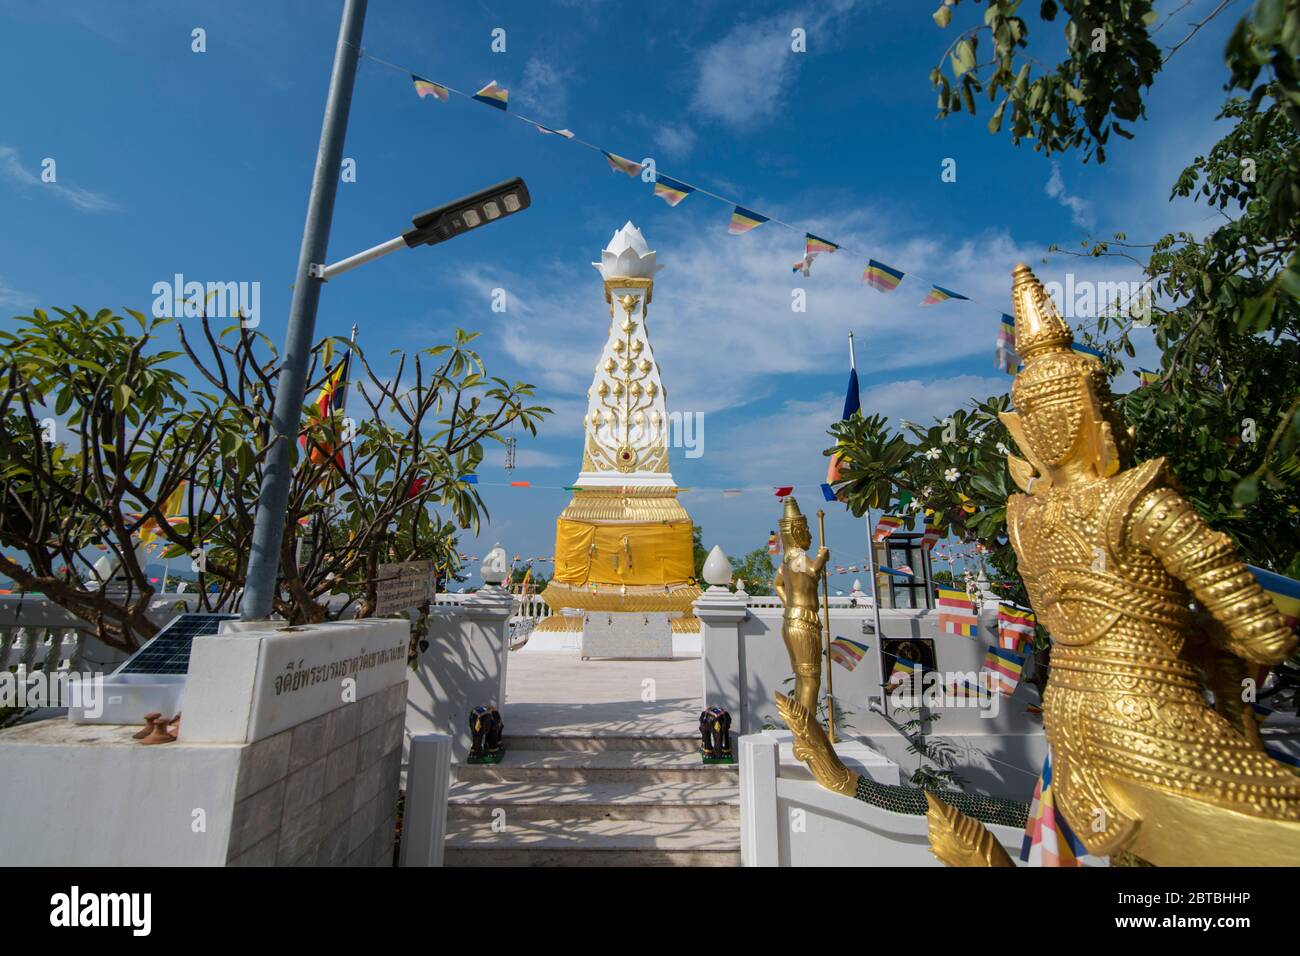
pixel 469 479
pixel 620 165
pixel 428 88
pixel 957 613
pixel 902 669
pixel 784 491
pixel 1049 841
pixel 803 265
pixel 520 484
pixel 671 191
pixel 828 492
pixel 881 277
pixel 886 526
pixel 1284 591
pixel 1147 377
pixel 1087 350
pixel 895 571
pixel 493 95
pixel 566 133
pixel 932 531
pixel 1004 668
pixel 847 653
pixel 939 294
pixel 743 220
pixel 813 245
pixel 773 543
pixel 1015 626
pixel 1005 357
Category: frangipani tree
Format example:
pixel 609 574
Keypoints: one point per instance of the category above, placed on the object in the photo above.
pixel 140 453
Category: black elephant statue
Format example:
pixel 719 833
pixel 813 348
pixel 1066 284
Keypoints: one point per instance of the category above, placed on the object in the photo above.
pixel 715 735
pixel 485 727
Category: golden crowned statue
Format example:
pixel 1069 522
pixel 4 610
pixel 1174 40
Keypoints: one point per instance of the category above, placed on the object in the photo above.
pixel 797 583
pixel 624 541
pixel 1113 558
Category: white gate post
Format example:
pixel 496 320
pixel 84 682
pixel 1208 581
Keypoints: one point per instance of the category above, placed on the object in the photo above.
pixel 424 816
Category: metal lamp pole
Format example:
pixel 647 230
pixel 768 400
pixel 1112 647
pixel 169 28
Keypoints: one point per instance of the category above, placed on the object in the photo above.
pixel 272 503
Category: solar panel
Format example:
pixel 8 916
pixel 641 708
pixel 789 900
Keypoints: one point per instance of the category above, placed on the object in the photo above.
pixel 169 651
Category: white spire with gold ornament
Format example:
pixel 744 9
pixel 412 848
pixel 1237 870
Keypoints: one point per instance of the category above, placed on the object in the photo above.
pixel 626 425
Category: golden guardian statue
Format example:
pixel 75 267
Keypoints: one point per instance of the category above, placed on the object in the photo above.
pixel 797 583
pixel 1113 558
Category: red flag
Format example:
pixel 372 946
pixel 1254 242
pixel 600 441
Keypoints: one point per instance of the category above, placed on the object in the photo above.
pixel 785 491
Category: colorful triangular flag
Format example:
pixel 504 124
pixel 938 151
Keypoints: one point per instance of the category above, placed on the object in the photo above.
pixel 493 95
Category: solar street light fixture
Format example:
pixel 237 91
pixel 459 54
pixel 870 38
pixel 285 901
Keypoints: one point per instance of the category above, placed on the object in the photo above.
pixel 442 223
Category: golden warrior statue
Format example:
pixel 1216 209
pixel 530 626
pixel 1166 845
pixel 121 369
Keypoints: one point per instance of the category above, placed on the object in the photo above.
pixel 1113 556
pixel 797 583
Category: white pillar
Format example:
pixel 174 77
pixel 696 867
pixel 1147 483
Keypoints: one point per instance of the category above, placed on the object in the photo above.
pixel 759 816
pixel 463 667
pixel 721 614
pixel 424 819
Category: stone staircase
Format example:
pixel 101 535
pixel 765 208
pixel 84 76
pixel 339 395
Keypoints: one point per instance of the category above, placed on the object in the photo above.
pixel 595 800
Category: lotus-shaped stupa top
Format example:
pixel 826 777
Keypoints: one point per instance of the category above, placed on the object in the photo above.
pixel 627 256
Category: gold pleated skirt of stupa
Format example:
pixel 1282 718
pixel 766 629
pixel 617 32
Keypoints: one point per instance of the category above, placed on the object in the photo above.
pixel 626 550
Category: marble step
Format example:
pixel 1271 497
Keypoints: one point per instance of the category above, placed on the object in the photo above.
pixel 576 766
pixel 592 843
pixel 629 799
pixel 597 741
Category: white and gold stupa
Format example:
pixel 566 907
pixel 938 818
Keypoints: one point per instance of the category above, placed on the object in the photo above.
pixel 624 541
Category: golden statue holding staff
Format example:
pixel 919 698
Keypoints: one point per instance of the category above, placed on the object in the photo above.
pixel 797 583
pixel 1113 556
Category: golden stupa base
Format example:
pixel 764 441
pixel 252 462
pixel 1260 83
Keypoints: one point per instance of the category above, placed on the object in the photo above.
pixel 687 624
pixel 565 623
pixel 613 597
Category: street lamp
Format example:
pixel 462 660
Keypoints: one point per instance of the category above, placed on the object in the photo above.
pixel 440 224
pixel 436 225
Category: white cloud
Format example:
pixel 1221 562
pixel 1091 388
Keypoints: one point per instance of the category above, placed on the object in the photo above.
pixel 1081 213
pixel 544 89
pixel 722 324
pixel 676 142
pixel 742 77
pixel 787 445
pixel 84 199
pixel 11 298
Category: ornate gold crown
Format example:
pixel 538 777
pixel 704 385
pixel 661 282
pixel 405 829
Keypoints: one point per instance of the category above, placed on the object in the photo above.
pixel 792 517
pixel 1058 393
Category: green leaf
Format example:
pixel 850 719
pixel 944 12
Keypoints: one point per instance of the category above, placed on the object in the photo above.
pixel 963 59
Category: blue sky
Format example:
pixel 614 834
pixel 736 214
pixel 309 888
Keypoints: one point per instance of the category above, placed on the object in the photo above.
pixel 173 161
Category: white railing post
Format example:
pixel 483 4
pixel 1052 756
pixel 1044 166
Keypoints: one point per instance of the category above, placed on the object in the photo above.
pixel 424 814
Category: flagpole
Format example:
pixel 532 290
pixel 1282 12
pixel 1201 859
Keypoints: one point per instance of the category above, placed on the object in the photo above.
pixel 875 606
pixel 826 615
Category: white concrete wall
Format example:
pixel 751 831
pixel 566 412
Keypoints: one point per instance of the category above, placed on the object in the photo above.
pixel 289 753
pixel 746 664
pixel 788 819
